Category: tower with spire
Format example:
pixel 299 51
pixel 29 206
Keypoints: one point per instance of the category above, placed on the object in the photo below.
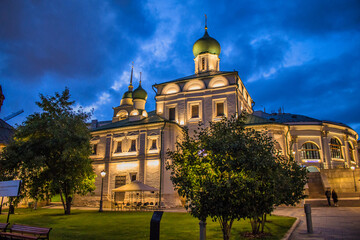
pixel 132 103
pixel 206 51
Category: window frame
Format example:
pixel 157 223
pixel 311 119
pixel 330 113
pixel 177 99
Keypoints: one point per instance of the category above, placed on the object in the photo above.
pixel 336 149
pixel 314 152
pixel 190 106
pixel 214 108
pixel 131 145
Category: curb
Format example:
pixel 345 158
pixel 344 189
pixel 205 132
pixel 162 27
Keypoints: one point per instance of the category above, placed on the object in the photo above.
pixel 292 229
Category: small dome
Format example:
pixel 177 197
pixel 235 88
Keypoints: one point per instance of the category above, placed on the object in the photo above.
pixel 128 94
pixel 140 93
pixel 206 44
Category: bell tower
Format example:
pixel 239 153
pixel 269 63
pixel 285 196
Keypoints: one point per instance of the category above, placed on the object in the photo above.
pixel 206 51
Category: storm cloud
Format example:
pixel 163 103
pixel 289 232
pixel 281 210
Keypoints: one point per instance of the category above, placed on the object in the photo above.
pixel 300 55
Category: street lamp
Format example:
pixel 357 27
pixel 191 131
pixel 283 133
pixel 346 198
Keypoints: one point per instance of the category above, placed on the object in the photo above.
pixel 353 170
pixel 103 174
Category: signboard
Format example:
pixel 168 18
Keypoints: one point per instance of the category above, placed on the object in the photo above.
pixel 10 188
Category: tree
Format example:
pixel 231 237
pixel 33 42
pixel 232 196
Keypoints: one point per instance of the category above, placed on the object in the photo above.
pixel 50 152
pixel 228 172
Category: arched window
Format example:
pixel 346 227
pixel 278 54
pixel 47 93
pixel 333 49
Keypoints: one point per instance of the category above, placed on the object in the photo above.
pixel 351 152
pixel 335 147
pixel 310 151
pixel 278 147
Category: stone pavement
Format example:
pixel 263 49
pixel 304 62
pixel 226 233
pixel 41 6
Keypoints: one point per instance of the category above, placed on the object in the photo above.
pixel 329 223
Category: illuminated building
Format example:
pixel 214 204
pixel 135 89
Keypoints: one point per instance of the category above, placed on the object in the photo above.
pixel 133 145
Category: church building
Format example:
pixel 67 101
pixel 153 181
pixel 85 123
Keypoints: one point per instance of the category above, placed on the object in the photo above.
pixel 133 145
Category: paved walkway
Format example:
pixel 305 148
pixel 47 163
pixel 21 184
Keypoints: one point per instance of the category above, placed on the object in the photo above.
pixel 329 223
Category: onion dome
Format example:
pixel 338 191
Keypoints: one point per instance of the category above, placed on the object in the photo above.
pixel 206 44
pixel 139 93
pixel 128 94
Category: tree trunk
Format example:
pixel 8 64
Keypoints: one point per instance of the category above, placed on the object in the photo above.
pixel 263 222
pixel 255 225
pixel 226 229
pixel 68 205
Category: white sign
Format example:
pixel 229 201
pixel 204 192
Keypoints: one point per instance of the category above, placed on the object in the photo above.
pixel 10 188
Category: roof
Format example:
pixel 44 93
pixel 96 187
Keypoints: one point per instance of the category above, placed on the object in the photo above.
pixel 6 132
pixel 199 75
pixel 140 93
pixel 135 186
pixel 256 120
pixel 206 44
pixel 294 119
pixel 152 118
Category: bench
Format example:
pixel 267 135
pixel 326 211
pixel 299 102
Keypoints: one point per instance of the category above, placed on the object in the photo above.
pixel 18 231
pixel 3 226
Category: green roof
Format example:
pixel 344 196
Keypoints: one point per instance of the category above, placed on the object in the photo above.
pixel 206 44
pixel 128 94
pixel 140 93
pixel 152 118
pixel 256 120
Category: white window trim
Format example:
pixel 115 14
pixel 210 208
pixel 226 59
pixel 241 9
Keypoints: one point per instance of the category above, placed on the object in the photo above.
pixel 189 109
pixel 150 139
pixel 215 101
pixel 176 111
pixel 126 145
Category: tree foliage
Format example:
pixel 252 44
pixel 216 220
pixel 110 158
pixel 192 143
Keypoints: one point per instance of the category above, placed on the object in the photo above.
pixel 50 152
pixel 228 172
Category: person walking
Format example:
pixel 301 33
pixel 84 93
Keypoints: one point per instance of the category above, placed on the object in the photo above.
pixel 334 197
pixel 328 195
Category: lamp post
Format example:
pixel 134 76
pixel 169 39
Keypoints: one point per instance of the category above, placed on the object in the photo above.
pixel 353 170
pixel 103 174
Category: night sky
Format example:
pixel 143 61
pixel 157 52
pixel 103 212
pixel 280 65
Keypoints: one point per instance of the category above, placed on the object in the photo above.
pixel 301 55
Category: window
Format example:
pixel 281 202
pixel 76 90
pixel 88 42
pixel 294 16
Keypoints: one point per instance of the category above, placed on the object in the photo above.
pixel 335 147
pixel 278 147
pixel 153 144
pixel 119 147
pixel 351 152
pixel 133 146
pixel 132 177
pixel 310 151
pixel 94 149
pixel 203 63
pixel 195 111
pixel 172 114
pixel 219 109
pixel 120 181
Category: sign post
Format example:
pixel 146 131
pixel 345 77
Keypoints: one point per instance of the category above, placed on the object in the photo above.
pixel 155 225
pixel 9 189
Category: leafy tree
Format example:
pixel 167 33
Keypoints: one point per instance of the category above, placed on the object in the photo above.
pixel 50 152
pixel 228 172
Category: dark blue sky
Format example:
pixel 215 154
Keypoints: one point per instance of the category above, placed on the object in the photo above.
pixel 301 55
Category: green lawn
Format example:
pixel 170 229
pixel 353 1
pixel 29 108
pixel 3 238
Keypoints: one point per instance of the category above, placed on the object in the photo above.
pixel 133 225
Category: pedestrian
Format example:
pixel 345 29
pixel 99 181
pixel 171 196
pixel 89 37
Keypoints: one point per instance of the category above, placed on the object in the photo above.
pixel 328 195
pixel 334 197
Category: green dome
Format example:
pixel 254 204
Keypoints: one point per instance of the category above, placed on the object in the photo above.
pixel 128 94
pixel 140 93
pixel 206 44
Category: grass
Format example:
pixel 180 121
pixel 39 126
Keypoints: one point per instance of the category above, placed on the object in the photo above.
pixel 134 225
pixel 56 198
